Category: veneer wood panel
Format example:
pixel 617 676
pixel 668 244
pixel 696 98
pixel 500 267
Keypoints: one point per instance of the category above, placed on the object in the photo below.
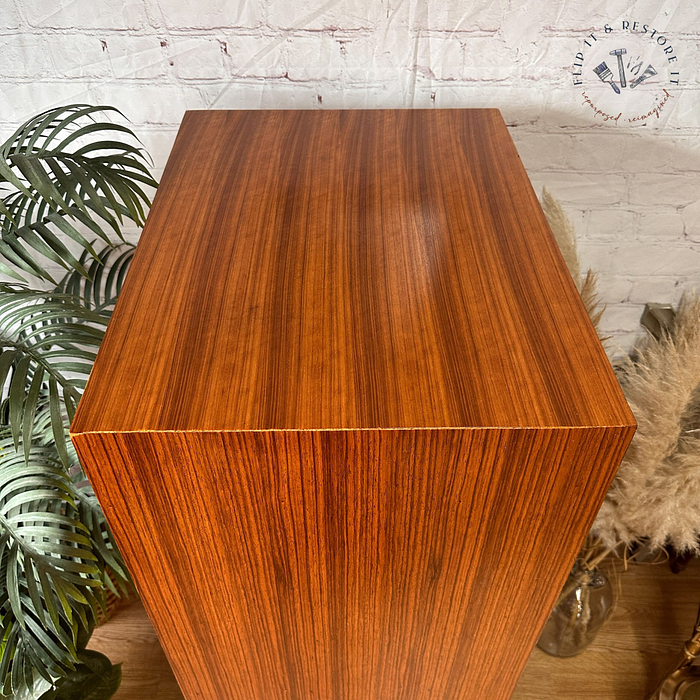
pixel 635 648
pixel 350 422
pixel 361 269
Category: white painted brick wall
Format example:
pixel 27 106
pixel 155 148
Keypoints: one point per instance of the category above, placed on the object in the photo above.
pixel 633 192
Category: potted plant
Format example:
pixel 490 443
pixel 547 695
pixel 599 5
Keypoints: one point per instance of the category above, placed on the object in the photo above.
pixel 69 178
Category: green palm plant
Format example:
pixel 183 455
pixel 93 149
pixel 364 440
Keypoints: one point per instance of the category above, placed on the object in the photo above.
pixel 69 177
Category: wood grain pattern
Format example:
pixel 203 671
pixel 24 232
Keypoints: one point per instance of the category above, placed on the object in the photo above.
pixel 391 565
pixel 350 422
pixel 652 617
pixel 373 269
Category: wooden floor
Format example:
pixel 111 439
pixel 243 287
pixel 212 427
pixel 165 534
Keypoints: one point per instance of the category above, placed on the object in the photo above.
pixel 654 615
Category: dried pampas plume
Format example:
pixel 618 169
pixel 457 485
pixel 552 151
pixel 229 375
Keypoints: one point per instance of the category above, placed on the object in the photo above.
pixel 656 493
pixel 564 233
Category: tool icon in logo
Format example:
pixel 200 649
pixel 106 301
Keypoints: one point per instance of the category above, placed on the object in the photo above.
pixel 648 73
pixel 606 75
pixel 621 68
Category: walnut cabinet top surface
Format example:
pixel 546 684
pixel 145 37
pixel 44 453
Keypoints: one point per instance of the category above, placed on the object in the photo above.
pixel 345 270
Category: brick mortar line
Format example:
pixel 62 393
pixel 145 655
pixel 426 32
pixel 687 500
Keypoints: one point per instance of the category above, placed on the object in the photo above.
pixel 523 82
pixel 546 31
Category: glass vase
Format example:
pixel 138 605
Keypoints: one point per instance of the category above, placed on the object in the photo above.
pixel 585 603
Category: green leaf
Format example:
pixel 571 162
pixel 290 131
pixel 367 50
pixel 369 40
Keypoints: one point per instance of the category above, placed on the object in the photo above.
pixel 49 647
pixel 34 593
pixel 49 595
pixel 30 235
pixel 66 227
pixel 6 360
pixel 13 584
pixel 46 543
pixel 59 432
pixel 100 289
pixel 63 167
pixel 9 641
pixel 19 379
pixel 30 410
pixel 66 173
pixel 11 249
pixel 95 678
pixel 37 178
pixel 18 669
pixel 9 272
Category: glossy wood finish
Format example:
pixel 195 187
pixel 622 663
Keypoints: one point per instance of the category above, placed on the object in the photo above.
pixel 653 612
pixel 363 269
pixel 350 421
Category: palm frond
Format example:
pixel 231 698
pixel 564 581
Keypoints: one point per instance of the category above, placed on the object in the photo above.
pixel 67 182
pixel 106 274
pixel 66 171
pixel 52 579
pixel 47 346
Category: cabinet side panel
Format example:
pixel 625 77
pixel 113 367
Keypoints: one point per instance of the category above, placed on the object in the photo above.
pixel 350 565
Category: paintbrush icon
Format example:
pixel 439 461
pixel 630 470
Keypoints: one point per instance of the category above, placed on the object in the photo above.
pixel 605 74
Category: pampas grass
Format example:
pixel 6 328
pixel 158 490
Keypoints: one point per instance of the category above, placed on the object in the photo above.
pixel 564 232
pixel 565 235
pixel 655 497
pixel 656 493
